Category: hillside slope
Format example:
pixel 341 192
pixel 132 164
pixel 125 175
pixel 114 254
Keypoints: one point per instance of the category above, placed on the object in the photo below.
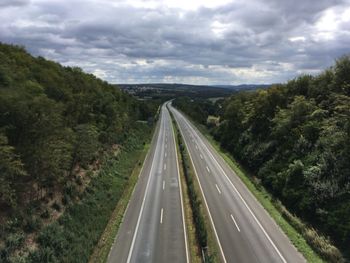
pixel 57 126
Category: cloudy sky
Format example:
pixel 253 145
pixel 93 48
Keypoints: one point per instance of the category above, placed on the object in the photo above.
pixel 187 41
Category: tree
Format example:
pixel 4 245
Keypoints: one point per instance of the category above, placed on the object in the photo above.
pixel 86 144
pixel 11 172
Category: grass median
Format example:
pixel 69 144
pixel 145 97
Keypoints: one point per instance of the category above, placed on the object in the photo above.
pixel 203 245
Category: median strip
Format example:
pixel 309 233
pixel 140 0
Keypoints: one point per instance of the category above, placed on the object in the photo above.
pixel 204 237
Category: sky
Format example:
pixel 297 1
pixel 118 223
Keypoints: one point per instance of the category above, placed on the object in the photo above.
pixel 182 41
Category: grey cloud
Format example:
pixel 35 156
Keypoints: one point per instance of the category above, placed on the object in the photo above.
pixel 177 44
pixel 8 3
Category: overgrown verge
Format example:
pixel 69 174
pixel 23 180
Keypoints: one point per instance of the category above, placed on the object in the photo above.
pixel 201 224
pixel 313 246
pixel 74 235
pixel 101 251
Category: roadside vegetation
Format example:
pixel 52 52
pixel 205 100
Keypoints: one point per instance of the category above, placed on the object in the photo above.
pixel 204 236
pixel 193 245
pixel 103 247
pixel 68 143
pixel 293 139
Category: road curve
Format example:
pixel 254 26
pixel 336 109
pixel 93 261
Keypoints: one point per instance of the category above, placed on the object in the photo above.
pixel 153 228
pixel 244 230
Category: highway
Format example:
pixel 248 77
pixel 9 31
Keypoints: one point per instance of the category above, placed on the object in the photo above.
pixel 153 228
pixel 244 231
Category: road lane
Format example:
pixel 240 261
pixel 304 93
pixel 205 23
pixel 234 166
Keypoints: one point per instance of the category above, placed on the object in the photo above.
pixel 245 231
pixel 153 227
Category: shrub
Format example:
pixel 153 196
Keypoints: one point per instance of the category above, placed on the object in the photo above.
pixel 31 223
pixel 45 214
pixel 18 259
pixel 321 244
pixel 14 241
pixel 52 237
pixel 66 199
pixel 42 255
pixel 56 206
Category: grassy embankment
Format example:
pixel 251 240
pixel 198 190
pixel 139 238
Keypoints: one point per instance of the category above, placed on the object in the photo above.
pixel 101 251
pixel 74 236
pixel 202 240
pixel 299 234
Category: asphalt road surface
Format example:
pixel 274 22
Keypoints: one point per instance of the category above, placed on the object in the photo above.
pixel 153 228
pixel 244 230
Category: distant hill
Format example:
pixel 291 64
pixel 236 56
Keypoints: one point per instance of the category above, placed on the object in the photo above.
pixel 165 90
pixel 244 86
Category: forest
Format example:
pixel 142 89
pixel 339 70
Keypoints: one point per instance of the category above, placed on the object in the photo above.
pixel 295 138
pixel 56 124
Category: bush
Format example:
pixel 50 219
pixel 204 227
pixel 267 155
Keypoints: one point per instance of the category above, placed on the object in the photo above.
pixel 12 224
pixel 45 214
pixel 31 223
pixel 66 199
pixel 14 241
pixel 78 180
pixel 52 237
pixel 56 206
pixel 321 244
pixel 42 255
pixel 18 259
pixel 69 188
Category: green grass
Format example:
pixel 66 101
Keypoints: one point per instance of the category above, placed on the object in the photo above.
pixel 266 200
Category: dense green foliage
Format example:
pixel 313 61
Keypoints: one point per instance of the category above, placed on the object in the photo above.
pixel 52 118
pixel 198 109
pixel 166 91
pixel 74 236
pixel 58 127
pixel 295 138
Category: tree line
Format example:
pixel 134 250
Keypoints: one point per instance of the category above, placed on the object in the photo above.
pixel 53 118
pixel 295 137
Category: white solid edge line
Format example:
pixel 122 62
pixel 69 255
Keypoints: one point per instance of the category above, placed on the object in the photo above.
pixel 205 200
pixel 240 196
pixel 144 161
pixel 181 198
pixel 234 221
pixel 161 216
pixel 143 203
pixel 217 187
